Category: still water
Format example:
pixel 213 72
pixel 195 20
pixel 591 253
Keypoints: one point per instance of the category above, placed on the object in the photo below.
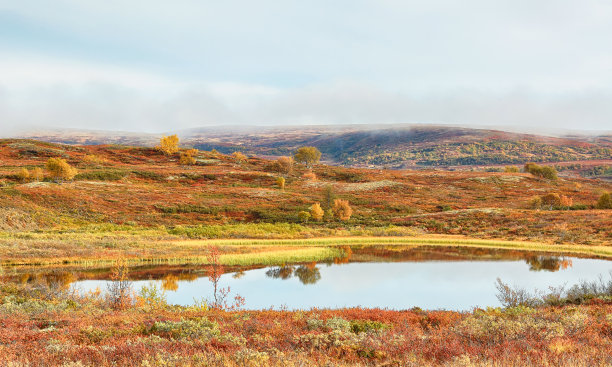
pixel 417 277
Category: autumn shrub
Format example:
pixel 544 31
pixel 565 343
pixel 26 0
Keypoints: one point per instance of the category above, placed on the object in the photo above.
pixel 59 169
pixel 604 201
pixel 23 175
pixel 511 169
pixel 239 157
pixel 552 201
pixel 546 172
pixel 187 157
pixel 168 144
pixel 94 160
pixel 303 216
pixel 342 209
pixel 280 182
pixel 316 212
pixel 310 176
pixel 284 165
pixel 37 174
pixel 200 328
pixel 152 296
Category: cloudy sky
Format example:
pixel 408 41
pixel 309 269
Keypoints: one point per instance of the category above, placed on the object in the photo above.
pixel 160 65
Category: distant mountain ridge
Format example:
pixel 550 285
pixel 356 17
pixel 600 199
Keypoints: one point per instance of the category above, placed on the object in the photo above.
pixel 395 146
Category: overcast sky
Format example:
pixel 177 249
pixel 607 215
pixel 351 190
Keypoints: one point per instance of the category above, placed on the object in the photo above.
pixel 158 65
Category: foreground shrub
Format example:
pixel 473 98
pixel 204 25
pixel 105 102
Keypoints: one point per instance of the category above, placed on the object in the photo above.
pixel 201 329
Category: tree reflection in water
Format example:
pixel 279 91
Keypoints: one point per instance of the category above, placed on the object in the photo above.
pixel 548 263
pixel 307 274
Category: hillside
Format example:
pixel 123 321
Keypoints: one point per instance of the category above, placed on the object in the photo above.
pixel 396 147
pixel 138 188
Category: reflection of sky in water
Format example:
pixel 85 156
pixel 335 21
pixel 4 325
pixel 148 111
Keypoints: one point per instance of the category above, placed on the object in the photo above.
pixel 457 285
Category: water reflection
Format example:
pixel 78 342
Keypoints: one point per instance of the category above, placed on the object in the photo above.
pixel 307 274
pixel 548 263
pixel 172 277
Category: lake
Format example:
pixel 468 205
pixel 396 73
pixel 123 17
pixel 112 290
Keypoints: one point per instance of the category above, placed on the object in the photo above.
pixel 386 277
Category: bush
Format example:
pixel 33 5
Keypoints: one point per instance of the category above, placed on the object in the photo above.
pixel 187 157
pixel 59 169
pixel 94 160
pixel 311 176
pixel 201 329
pixel 239 157
pixel 37 174
pixel 342 210
pixel 168 144
pixel 101 175
pixel 546 172
pixel 303 216
pixel 280 181
pixel 605 201
pixel 552 201
pixel 316 212
pixel 23 175
pixel 511 169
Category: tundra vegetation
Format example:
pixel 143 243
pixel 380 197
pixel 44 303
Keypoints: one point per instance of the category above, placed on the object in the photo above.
pixel 132 205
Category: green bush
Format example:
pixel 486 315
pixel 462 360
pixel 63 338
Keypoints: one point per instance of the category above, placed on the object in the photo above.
pixel 605 201
pixel 101 175
pixel 201 328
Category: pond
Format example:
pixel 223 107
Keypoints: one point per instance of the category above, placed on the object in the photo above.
pixel 386 277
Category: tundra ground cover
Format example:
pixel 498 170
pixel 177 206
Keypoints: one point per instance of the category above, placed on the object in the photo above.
pixel 39 326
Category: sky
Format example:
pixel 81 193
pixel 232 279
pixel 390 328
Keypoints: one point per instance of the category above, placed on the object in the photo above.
pixel 159 66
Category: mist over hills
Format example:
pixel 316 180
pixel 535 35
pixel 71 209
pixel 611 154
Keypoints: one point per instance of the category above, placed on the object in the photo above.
pixel 382 146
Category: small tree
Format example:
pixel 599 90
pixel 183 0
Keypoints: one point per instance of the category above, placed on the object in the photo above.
pixel 168 144
pixel 280 181
pixel 316 212
pixel 59 169
pixel 308 156
pixel 329 196
pixel 37 174
pixel 342 210
pixel 120 293
pixel 303 216
pixel 23 175
pixel 605 201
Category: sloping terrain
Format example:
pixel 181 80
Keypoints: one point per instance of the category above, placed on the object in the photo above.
pixel 140 187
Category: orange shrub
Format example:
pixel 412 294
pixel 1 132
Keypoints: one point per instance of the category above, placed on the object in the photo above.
pixel 342 210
